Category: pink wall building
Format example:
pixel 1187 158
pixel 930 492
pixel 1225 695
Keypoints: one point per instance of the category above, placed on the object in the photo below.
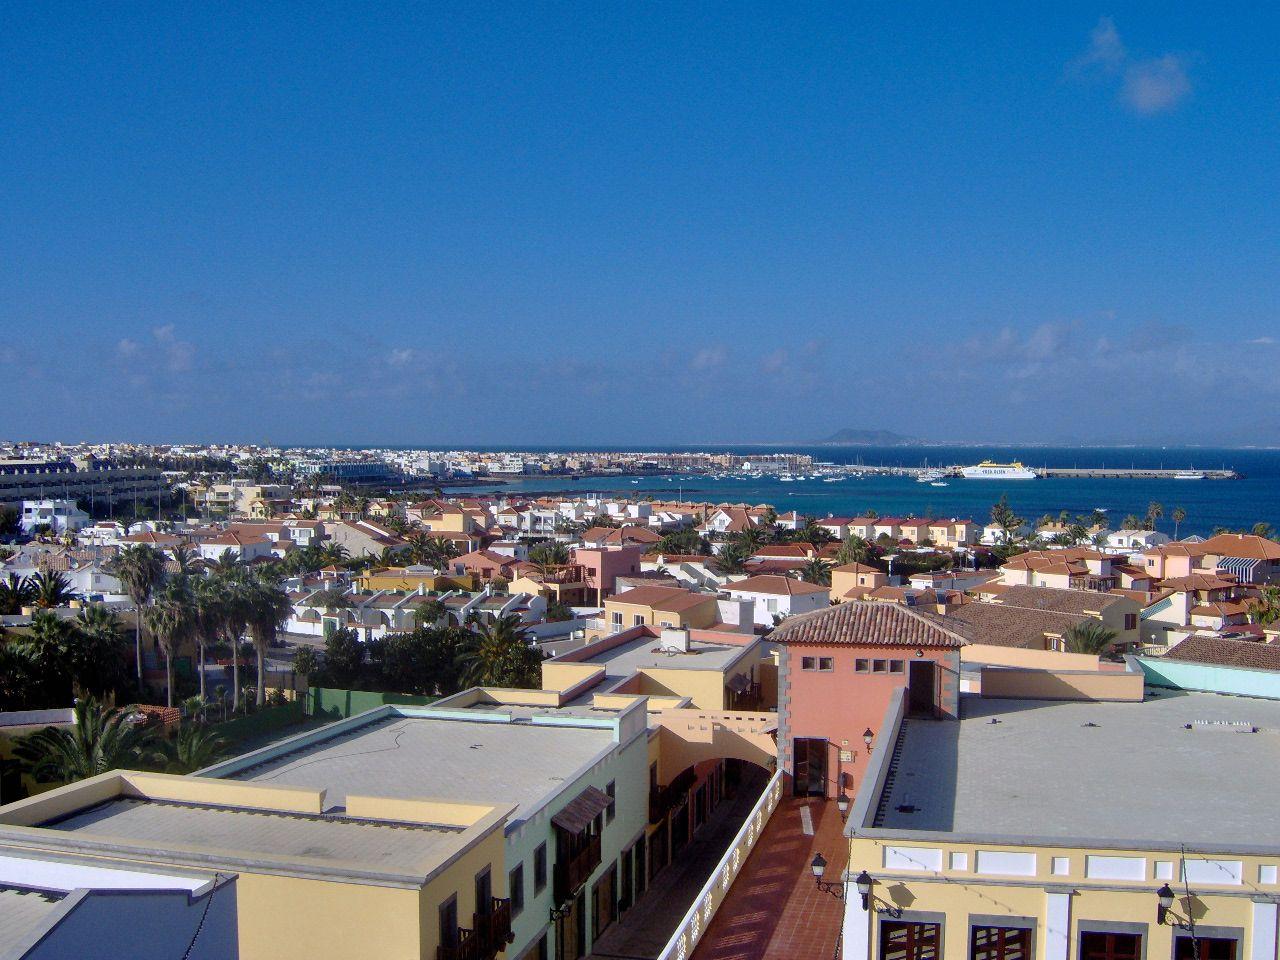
pixel 838 669
pixel 603 566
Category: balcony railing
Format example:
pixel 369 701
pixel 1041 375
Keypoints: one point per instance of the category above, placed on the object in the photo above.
pixel 573 873
pixel 662 800
pixel 489 935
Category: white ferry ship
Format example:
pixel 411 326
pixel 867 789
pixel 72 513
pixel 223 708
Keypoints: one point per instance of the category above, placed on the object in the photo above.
pixel 1188 475
pixel 989 470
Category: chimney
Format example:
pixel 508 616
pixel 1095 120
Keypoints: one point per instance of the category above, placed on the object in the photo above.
pixel 674 640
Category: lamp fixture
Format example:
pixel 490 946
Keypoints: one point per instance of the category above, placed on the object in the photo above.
pixel 865 883
pixel 868 737
pixel 559 913
pixel 842 804
pixel 1164 903
pixel 819 867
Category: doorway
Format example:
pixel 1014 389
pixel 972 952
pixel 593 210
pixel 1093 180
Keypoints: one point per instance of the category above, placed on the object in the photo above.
pixel 809 776
pixel 922 689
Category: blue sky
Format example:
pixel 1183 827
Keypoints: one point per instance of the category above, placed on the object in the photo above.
pixel 638 223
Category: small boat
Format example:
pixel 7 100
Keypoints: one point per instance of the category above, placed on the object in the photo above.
pixel 833 479
pixel 937 483
pixel 1188 475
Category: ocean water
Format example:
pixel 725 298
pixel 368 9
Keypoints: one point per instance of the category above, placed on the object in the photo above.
pixel 1208 503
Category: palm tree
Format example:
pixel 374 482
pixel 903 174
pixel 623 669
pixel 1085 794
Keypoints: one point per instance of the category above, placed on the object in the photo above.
pixel 732 558
pixel 1262 529
pixel 498 654
pixel 1178 516
pixel 1265 608
pixel 547 556
pixel 268 607
pixel 194 748
pixel 98 665
pixel 169 621
pixel 15 593
pixel 186 559
pixel 1089 636
pixel 101 739
pixel 233 618
pixel 140 569
pixel 50 589
pixel 855 549
pixel 1155 511
pixel 816 571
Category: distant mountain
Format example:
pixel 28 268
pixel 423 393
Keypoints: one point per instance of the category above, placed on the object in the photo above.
pixel 868 438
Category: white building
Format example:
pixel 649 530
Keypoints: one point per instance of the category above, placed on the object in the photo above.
pixel 778 596
pixel 1136 541
pixel 60 516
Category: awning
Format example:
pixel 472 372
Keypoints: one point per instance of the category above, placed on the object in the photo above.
pixel 1243 569
pixel 576 815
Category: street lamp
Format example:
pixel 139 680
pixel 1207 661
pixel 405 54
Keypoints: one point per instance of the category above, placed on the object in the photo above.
pixel 842 804
pixel 819 867
pixel 863 882
pixel 1164 903
pixel 868 737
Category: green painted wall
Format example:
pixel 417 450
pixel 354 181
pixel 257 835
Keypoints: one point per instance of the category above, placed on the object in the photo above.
pixel 339 704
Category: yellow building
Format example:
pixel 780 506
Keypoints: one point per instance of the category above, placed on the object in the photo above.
pixel 1067 831
pixel 851 581
pixel 658 606
pixel 412 579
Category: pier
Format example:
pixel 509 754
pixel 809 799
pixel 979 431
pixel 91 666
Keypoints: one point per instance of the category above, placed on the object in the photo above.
pixel 1131 473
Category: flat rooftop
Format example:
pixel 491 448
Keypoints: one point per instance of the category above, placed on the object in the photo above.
pixel 235 830
pixel 645 653
pixel 1122 772
pixel 25 913
pixel 410 757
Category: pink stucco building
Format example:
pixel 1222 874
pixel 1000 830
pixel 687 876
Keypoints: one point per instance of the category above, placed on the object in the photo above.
pixel 838 669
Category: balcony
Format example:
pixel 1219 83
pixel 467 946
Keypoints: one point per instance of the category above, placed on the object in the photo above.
pixel 489 935
pixel 572 874
pixel 662 800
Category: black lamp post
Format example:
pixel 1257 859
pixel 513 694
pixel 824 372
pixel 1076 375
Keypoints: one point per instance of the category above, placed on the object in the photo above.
pixel 863 882
pixel 842 804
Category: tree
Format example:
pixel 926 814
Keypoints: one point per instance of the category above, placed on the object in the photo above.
pixel 344 657
pixel 101 739
pixel 855 549
pixel 50 589
pixel 15 593
pixel 1002 516
pixel 499 655
pixel 268 607
pixel 1089 636
pixel 169 622
pixel 816 571
pixel 732 558
pixel 140 569
pixel 1132 522
pixel 98 657
pixel 813 534
pixel 1262 529
pixel 10 523
pixel 687 540
pixel 548 556
pixel 305 663
pixel 1155 511
pixel 1178 516
pixel 46 652
pixel 194 748
pixel 1265 608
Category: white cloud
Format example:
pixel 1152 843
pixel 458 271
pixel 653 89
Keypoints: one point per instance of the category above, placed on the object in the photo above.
pixel 708 358
pixel 1157 85
pixel 1147 85
pixel 400 357
pixel 775 362
pixel 179 355
pixel 1263 341
pixel 126 348
pixel 1105 50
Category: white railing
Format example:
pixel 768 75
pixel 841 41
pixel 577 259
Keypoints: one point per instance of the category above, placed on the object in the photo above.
pixel 714 891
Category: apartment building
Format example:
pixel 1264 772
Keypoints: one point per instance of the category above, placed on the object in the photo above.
pixel 96 483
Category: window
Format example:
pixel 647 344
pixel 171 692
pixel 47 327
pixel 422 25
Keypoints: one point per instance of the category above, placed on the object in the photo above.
pixel 449 922
pixel 909 941
pixel 617 619
pixel 637 620
pixel 484 892
pixel 771 605
pixel 897 666
pixel 879 666
pixel 667 623
pixel 540 869
pixel 611 811
pixel 1110 946
pixel 808 663
pixel 515 888
pixel 1131 621
pixel 1204 948
pixel 861 665
pixel 999 943
pixel 826 663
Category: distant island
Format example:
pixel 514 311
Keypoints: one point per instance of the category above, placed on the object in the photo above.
pixel 868 438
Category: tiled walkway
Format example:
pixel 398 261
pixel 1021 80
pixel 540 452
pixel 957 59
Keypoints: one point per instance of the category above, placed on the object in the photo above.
pixel 645 929
pixel 774 910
